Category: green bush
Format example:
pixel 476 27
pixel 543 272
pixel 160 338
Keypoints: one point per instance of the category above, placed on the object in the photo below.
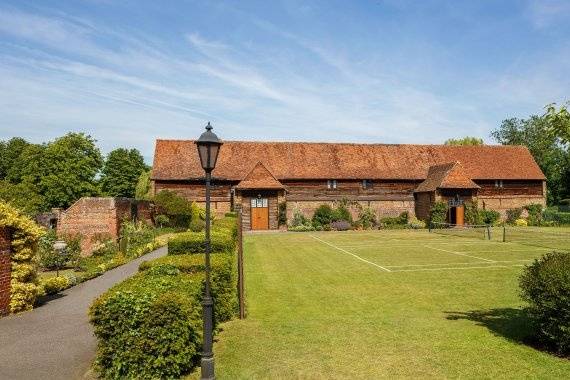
pixel 367 218
pixel 560 218
pixel 513 214
pixel 341 213
pixel 162 220
pixel 323 215
pixel 545 285
pixel 489 217
pixel 178 209
pixel 224 280
pixel 399 221
pixel 472 215
pixel 534 214
pixel 193 242
pixel 50 259
pixel 148 326
pixel 227 224
pixel 282 217
pixel 438 212
pixel 415 223
pixel 299 219
pixel 136 237
pixel 230 214
pixel 53 285
pixel 198 218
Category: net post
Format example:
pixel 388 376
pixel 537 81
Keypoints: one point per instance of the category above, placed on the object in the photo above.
pixel 489 231
pixel 429 226
pixel 504 233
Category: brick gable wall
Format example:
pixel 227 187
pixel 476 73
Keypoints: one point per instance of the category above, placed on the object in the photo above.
pixel 5 271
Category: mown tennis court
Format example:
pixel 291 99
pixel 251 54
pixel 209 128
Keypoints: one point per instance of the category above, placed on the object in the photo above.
pixel 395 304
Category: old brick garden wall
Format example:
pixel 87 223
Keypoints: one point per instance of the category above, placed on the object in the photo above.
pixel 5 271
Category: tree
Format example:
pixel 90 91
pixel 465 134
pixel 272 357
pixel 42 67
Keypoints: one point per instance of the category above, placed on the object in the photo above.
pixel 24 196
pixel 121 172
pixel 9 153
pixel 559 121
pixel 69 167
pixel 468 140
pixel 549 154
pixel 143 188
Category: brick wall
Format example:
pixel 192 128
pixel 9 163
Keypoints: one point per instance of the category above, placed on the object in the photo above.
pixel 90 217
pixel 5 270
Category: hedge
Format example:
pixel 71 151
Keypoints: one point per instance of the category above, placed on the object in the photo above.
pixel 560 218
pixel 223 280
pixel 545 285
pixel 222 239
pixel 148 326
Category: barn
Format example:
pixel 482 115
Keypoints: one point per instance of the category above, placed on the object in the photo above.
pixel 257 177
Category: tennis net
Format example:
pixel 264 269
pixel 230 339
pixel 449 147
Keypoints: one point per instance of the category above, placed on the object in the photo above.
pixel 546 237
pixel 461 230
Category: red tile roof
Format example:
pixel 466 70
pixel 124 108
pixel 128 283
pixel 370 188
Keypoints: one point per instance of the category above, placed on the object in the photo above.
pixel 178 160
pixel 259 178
pixel 446 176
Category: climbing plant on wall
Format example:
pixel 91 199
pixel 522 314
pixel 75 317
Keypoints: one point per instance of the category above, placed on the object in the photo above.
pixel 25 233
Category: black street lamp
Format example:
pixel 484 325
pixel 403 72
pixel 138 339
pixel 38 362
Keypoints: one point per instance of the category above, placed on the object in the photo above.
pixel 208 148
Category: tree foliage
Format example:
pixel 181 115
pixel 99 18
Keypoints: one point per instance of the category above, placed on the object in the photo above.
pixel 550 155
pixel 559 120
pixel 468 140
pixel 143 188
pixel 121 172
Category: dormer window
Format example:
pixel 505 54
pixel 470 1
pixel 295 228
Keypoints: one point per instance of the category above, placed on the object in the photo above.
pixel 331 184
pixel 366 184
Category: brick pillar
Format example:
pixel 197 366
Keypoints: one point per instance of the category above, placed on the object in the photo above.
pixel 5 270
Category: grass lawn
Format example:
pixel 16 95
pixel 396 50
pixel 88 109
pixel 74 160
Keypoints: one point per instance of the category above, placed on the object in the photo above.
pixel 382 304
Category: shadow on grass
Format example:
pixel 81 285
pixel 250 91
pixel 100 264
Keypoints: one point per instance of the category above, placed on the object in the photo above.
pixel 510 323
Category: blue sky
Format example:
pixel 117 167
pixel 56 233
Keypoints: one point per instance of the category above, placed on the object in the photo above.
pixel 128 72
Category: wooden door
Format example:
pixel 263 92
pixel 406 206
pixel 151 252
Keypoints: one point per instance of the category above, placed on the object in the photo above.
pixel 460 215
pixel 259 214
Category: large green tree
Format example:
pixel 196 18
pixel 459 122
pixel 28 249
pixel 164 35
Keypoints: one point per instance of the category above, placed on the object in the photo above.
pixel 552 156
pixel 69 168
pixel 143 190
pixel 468 140
pixel 559 120
pixel 9 153
pixel 121 172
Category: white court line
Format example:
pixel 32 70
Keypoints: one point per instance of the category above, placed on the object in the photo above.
pixel 448 264
pixel 459 253
pixel 350 253
pixel 456 268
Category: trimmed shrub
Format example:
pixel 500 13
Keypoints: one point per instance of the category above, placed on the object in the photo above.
pixel 415 223
pixel 534 214
pixel 224 279
pixel 520 222
pixel 148 326
pixel 53 285
pixel 513 214
pixel 545 285
pixel 198 218
pixel 341 225
pixel 230 214
pixel 489 217
pixel 323 215
pixel 193 242
pixel 438 212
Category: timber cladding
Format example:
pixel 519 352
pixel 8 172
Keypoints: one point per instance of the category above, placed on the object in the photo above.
pixel 5 270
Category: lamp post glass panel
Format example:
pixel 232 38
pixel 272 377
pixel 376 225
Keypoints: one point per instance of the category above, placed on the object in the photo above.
pixel 208 148
pixel 59 246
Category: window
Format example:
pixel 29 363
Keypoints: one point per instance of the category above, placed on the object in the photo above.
pixel 258 202
pixel 366 183
pixel 498 183
pixel 331 184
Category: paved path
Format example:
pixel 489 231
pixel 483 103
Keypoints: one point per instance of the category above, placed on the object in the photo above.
pixel 55 341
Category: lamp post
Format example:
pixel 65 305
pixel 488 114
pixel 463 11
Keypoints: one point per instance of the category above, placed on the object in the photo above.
pixel 208 148
pixel 59 246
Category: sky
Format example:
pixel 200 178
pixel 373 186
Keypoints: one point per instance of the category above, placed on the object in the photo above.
pixel 384 71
